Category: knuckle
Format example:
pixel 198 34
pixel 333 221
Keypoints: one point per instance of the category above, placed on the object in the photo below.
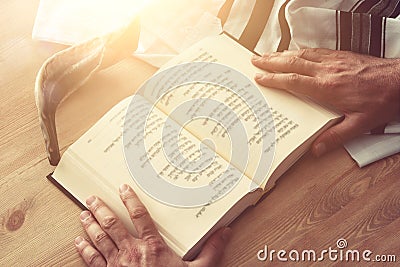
pixel 109 221
pixel 301 53
pixel 215 245
pixel 150 237
pixel 100 237
pixel 87 223
pixel 276 54
pixel 96 206
pixel 127 257
pixel 128 195
pixel 269 55
pixel 263 62
pixel 272 80
pixel 138 212
pixel 335 137
pixel 293 78
pixel 266 58
pixel 293 61
pixel 155 246
pixel 147 232
pixel 93 258
pixel 270 76
pixel 335 69
pixel 342 55
pixel 81 250
pixel 135 254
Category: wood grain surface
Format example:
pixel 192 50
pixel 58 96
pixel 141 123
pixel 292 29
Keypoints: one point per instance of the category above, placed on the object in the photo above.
pixel 317 202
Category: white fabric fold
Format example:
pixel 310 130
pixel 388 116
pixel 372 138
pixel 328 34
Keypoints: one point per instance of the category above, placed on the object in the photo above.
pixel 162 33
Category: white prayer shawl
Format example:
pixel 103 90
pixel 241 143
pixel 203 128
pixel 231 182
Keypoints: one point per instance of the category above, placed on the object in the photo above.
pixel 363 26
pixel 170 26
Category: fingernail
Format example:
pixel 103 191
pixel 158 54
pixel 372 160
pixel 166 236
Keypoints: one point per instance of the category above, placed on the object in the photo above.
pixel 320 149
pixel 79 240
pixel 84 215
pixel 226 234
pixel 255 57
pixel 90 200
pixel 123 188
pixel 258 76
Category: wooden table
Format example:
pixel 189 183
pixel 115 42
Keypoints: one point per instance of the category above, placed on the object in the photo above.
pixel 317 202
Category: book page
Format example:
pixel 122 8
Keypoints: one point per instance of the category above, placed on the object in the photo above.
pixel 95 164
pixel 295 120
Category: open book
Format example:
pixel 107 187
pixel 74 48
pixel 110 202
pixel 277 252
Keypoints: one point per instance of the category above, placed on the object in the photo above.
pixel 95 163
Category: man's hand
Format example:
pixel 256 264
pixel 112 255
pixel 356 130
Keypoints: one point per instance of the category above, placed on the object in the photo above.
pixel 365 89
pixel 115 246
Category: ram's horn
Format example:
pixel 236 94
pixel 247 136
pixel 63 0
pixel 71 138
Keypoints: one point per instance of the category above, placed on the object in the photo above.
pixel 69 69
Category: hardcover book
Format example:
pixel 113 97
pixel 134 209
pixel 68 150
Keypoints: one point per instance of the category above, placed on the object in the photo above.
pixel 98 162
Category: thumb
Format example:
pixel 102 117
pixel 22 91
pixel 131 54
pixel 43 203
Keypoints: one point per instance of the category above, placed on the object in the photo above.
pixel 335 136
pixel 213 249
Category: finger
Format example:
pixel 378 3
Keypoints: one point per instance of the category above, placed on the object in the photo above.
pixel 100 239
pixel 311 54
pixel 292 82
pixel 89 254
pixel 138 213
pixel 109 222
pixel 286 64
pixel 337 135
pixel 213 249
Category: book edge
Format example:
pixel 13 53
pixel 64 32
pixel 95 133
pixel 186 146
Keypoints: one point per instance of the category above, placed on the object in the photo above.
pixel 65 191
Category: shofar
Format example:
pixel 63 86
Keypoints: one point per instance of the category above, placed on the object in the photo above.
pixel 67 70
